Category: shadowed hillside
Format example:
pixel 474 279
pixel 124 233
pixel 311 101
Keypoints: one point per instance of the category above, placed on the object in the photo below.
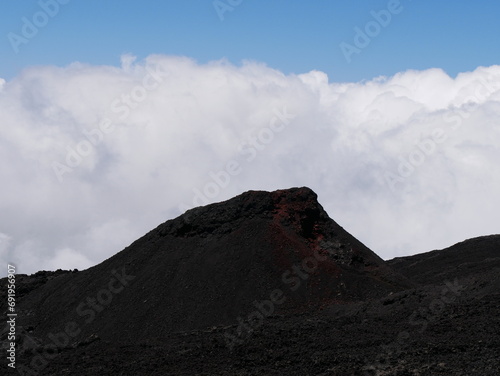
pixel 264 283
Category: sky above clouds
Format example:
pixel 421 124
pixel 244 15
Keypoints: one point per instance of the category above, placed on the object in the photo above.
pixel 119 115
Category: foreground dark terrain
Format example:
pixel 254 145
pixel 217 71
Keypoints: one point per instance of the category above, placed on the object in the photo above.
pixel 263 284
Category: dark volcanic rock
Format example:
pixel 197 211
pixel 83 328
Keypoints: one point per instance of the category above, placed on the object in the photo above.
pixel 27 283
pixel 470 257
pixel 264 284
pixel 211 265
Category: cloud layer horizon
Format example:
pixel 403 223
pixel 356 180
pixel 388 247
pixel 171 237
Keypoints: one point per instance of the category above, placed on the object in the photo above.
pixel 93 157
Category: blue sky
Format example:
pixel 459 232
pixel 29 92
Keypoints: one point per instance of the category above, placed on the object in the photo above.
pixel 291 36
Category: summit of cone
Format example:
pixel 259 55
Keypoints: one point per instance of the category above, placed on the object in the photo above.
pixel 211 265
pixel 265 282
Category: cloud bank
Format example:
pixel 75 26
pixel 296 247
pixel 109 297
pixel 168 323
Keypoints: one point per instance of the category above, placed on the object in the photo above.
pixel 93 157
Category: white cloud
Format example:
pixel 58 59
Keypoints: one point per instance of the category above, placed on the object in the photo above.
pixel 67 259
pixel 5 241
pixel 139 140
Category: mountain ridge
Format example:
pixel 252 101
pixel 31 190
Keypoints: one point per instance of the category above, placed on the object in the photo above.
pixel 261 271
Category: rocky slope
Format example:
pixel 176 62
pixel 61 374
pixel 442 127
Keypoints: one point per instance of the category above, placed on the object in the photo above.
pixel 264 283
